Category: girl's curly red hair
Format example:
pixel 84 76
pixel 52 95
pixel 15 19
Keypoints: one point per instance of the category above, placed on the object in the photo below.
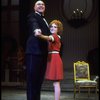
pixel 59 25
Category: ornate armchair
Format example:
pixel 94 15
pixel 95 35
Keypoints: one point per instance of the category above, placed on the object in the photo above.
pixel 82 78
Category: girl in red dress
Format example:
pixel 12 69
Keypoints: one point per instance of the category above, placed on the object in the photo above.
pixel 54 71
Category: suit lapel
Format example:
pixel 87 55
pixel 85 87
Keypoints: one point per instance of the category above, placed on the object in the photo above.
pixel 41 20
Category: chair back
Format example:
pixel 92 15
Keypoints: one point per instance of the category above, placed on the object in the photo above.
pixel 81 71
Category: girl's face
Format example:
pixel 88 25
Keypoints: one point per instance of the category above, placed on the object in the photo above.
pixel 53 28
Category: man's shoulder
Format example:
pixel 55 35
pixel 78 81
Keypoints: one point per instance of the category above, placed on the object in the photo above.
pixel 31 14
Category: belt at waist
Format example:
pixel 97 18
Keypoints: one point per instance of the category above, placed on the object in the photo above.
pixel 53 52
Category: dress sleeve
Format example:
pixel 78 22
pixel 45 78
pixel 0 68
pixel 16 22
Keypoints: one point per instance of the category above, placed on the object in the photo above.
pixel 51 38
pixel 55 37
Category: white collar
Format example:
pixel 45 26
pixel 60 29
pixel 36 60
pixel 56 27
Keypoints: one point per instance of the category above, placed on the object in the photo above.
pixel 38 13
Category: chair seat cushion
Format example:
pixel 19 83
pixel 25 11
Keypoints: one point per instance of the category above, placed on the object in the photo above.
pixel 86 83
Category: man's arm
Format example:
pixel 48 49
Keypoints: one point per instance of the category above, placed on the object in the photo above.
pixel 39 34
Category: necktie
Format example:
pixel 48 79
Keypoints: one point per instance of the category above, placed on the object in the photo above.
pixel 42 16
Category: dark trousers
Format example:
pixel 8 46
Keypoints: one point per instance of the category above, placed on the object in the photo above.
pixel 35 67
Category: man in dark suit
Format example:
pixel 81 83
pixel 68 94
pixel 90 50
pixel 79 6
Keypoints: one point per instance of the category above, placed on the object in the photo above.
pixel 36 51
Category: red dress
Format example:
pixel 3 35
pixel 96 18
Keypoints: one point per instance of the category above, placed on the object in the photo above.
pixel 54 69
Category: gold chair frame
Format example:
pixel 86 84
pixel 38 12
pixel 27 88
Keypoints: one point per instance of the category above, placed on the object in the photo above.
pixel 82 79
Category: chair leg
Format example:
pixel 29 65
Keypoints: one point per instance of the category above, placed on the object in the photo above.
pixel 78 89
pixel 88 92
pixel 96 92
pixel 74 92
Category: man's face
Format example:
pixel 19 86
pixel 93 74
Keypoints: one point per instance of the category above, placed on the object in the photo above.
pixel 39 6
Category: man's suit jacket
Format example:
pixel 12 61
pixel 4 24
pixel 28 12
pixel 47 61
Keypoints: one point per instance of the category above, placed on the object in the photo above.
pixel 36 45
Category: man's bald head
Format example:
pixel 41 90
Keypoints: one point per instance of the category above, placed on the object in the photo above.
pixel 39 6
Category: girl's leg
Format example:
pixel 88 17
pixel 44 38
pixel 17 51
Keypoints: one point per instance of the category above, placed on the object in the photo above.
pixel 57 90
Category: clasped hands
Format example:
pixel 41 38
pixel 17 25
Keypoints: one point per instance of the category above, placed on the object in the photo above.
pixel 37 32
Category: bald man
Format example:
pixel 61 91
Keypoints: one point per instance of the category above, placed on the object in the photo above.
pixel 36 51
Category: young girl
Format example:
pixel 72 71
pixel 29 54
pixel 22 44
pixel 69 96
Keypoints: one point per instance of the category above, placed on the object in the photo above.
pixel 54 71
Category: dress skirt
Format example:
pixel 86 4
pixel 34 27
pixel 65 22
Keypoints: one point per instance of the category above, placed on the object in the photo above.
pixel 54 69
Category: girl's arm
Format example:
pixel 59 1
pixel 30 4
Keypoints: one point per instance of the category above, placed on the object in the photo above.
pixel 45 37
pixel 48 38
